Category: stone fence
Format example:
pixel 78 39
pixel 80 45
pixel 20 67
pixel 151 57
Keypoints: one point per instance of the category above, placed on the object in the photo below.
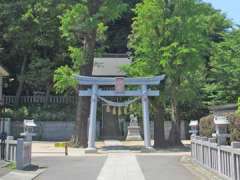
pixel 40 99
pixel 18 151
pixel 225 160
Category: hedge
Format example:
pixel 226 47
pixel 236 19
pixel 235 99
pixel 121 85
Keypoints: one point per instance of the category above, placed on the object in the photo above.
pixel 206 126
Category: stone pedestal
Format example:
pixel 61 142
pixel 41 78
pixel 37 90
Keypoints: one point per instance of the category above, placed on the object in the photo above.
pixel 133 132
pixel 90 151
pixel 148 150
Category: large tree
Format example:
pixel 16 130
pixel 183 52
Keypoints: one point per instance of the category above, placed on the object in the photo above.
pixel 170 37
pixel 32 42
pixel 83 25
pixel 223 85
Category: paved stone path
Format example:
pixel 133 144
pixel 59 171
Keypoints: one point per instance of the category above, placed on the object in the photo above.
pixel 70 168
pixel 115 163
pixel 164 168
pixel 121 167
pixel 112 143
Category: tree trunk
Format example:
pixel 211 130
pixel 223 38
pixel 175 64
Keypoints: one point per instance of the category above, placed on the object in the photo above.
pixel 83 105
pixel 20 78
pixel 175 135
pixel 159 135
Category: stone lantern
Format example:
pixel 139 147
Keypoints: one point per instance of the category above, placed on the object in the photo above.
pixel 29 126
pixel 3 73
pixel 194 127
pixel 221 126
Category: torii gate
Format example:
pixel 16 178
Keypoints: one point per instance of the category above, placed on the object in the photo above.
pixel 119 83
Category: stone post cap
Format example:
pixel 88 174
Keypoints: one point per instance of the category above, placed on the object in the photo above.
pixel 10 138
pixel 204 138
pixel 235 144
pixel 212 140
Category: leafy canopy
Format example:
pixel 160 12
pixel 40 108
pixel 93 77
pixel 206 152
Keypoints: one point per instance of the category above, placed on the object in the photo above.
pixel 224 84
pixel 83 23
pixel 170 37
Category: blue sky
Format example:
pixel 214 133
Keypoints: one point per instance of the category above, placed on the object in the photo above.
pixel 230 7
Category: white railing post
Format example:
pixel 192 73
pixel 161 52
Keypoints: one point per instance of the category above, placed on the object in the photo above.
pixel 219 159
pixel 19 154
pixel 211 140
pixel 204 139
pixel 7 147
pixel 223 159
pixel 234 171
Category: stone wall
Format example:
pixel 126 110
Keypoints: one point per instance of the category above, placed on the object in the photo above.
pixel 168 126
pixel 47 130
pixel 63 130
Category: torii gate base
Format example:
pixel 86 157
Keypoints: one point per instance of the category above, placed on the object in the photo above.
pixel 94 92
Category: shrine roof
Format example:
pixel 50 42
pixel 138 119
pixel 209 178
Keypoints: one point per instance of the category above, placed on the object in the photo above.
pixel 110 66
pixel 3 72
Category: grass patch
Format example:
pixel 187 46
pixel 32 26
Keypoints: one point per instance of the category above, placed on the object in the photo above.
pixel 60 144
pixel 11 166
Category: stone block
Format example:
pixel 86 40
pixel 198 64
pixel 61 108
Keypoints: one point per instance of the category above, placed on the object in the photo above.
pixel 90 151
pixel 212 140
pixel 148 150
pixel 235 144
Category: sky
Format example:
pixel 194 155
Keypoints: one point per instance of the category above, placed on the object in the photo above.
pixel 230 7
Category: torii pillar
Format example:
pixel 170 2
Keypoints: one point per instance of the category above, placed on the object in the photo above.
pixel 92 121
pixel 146 122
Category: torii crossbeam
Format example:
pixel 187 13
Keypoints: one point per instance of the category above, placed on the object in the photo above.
pixel 119 83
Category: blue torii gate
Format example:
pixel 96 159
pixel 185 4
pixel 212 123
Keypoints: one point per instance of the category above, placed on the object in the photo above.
pixel 94 92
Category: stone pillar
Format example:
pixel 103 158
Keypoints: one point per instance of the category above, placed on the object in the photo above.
pixel 1 90
pixel 19 154
pixel 146 124
pixel 92 121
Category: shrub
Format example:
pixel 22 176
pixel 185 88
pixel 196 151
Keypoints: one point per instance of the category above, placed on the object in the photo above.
pixel 234 126
pixel 42 113
pixel 206 126
pixel 238 104
pixel 16 113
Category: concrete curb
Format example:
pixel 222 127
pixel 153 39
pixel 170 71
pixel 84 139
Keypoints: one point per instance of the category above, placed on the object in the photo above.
pixel 4 164
pixel 22 175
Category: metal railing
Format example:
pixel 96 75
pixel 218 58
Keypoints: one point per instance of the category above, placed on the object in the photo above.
pixel 224 160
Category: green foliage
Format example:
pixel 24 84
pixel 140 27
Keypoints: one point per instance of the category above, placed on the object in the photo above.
pixel 238 111
pixel 84 25
pixel 172 41
pixel 64 79
pixel 11 166
pixel 234 127
pixel 77 56
pixel 16 114
pixel 42 113
pixel 73 21
pixel 206 126
pixel 30 32
pixel 223 83
pixel 174 38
